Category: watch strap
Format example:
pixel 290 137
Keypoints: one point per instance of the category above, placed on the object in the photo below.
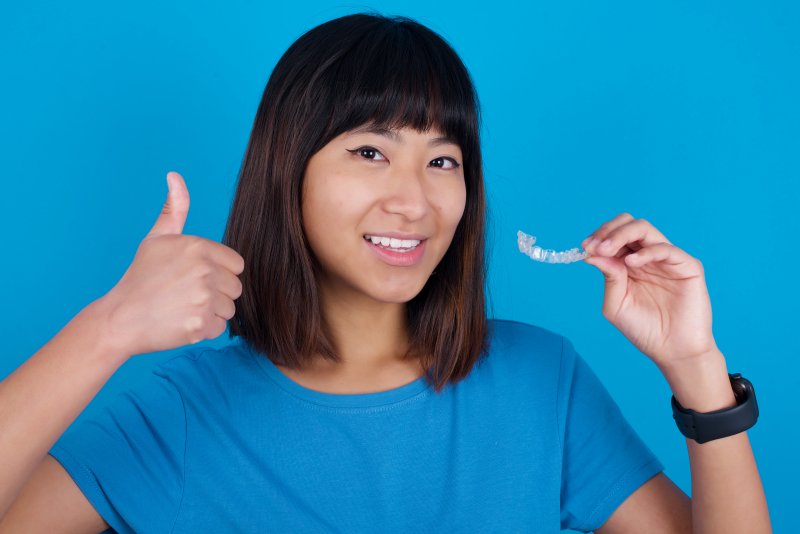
pixel 704 427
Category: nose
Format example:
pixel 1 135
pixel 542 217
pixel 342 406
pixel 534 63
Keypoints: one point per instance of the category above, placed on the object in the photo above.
pixel 407 195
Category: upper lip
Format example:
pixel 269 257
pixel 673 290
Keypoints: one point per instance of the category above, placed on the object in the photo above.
pixel 398 235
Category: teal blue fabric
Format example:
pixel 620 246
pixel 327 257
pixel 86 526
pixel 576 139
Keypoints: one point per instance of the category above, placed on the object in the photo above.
pixel 220 440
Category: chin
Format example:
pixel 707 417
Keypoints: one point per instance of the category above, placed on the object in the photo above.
pixel 397 295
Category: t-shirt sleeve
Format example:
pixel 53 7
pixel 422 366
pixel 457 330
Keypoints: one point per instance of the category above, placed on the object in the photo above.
pixel 128 460
pixel 604 459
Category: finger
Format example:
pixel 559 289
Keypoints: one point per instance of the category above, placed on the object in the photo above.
pixel 607 227
pixel 227 283
pixel 629 237
pixel 223 306
pixel 225 257
pixel 660 252
pixel 176 208
pixel 215 328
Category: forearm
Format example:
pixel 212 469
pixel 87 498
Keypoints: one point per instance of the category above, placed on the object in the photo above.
pixel 43 396
pixel 727 494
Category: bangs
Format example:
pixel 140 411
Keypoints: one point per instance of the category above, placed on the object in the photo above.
pixel 397 76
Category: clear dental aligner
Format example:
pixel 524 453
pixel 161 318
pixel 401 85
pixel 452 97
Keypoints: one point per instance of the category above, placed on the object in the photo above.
pixel 536 253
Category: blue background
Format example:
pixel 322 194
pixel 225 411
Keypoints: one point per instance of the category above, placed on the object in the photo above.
pixel 686 115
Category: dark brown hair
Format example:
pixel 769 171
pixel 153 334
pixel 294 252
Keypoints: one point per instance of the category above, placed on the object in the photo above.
pixel 358 69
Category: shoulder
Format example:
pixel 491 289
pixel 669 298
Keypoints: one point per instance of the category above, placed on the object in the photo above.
pixel 518 349
pixel 522 337
pixel 194 366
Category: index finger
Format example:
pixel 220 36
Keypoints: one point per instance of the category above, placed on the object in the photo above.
pixel 628 237
pixel 226 257
pixel 608 226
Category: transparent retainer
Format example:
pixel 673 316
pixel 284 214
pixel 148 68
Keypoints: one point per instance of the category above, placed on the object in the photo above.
pixel 537 253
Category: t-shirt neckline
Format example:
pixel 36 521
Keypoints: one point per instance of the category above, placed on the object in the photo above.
pixel 341 400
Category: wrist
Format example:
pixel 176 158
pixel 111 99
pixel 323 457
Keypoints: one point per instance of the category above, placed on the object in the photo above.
pixel 98 316
pixel 701 383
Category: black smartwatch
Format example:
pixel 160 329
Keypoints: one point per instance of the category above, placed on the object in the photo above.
pixel 703 427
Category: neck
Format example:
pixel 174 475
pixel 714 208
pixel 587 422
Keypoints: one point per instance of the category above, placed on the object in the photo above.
pixel 370 336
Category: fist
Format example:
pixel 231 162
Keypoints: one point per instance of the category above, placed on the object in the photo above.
pixel 179 289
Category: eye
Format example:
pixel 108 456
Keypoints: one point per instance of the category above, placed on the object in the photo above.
pixel 439 162
pixel 366 152
pixel 371 153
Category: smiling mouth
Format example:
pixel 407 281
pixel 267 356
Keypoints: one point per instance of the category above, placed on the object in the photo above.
pixel 410 245
pixel 398 257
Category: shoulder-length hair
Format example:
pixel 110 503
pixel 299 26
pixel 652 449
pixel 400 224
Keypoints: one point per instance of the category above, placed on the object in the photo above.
pixel 354 70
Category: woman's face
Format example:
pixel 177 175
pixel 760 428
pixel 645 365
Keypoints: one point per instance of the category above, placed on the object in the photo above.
pixel 400 183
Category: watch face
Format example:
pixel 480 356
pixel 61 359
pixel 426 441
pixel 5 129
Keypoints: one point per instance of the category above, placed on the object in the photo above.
pixel 743 389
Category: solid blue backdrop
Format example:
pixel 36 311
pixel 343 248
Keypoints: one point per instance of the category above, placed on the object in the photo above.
pixel 680 113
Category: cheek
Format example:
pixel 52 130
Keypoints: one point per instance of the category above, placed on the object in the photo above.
pixel 451 204
pixel 331 204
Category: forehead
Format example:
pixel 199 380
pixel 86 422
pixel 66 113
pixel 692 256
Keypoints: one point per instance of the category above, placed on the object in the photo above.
pixel 434 136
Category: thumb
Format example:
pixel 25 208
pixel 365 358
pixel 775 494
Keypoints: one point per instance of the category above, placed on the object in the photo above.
pixel 176 208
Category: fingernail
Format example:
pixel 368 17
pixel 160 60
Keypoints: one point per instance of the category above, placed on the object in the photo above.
pixel 605 244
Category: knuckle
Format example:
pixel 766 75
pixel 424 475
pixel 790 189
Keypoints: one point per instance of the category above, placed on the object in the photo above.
pixel 203 270
pixel 202 297
pixel 195 244
pixel 194 327
pixel 194 323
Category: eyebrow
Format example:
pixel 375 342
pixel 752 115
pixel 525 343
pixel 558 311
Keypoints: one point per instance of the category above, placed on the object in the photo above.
pixel 398 138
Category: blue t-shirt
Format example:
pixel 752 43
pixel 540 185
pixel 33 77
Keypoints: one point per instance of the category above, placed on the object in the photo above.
pixel 221 440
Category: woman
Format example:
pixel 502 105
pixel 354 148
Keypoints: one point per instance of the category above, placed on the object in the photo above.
pixel 365 389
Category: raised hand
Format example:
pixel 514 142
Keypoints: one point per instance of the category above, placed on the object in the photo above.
pixel 655 293
pixel 179 289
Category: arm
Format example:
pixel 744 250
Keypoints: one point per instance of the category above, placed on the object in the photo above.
pixel 41 398
pixel 727 495
pixel 178 290
pixel 51 502
pixel 656 295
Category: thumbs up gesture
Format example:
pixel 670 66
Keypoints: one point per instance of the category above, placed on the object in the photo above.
pixel 179 289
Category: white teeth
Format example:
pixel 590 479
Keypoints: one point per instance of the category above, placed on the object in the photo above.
pixel 392 242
